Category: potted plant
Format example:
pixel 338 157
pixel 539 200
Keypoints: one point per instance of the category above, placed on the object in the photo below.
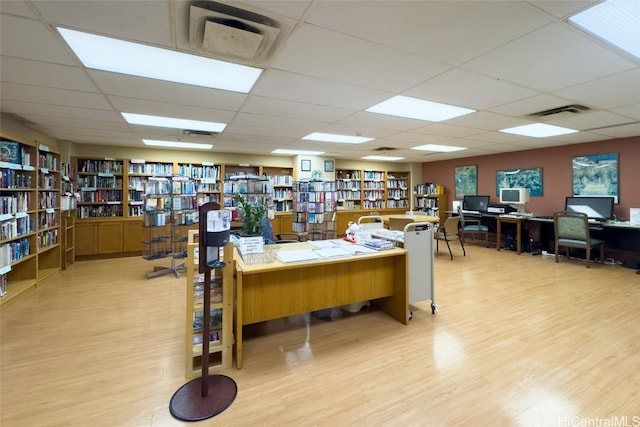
pixel 251 215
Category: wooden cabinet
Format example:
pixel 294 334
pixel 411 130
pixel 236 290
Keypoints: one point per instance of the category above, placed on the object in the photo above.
pixel 220 333
pixel 133 236
pixel 98 238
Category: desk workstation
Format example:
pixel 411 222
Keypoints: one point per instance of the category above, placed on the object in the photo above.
pixel 279 289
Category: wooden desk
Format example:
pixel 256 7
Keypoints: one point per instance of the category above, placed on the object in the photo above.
pixel 518 222
pixel 271 291
pixel 415 217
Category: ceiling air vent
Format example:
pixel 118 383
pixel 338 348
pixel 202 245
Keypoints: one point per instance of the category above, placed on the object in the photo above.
pixel 559 112
pixel 384 149
pixel 200 133
pixel 225 30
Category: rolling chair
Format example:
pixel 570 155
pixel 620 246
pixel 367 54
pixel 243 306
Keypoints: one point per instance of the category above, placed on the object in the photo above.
pixel 572 231
pixel 271 238
pixel 448 232
pixel 472 226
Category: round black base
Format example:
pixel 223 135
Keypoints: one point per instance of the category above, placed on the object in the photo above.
pixel 216 265
pixel 188 404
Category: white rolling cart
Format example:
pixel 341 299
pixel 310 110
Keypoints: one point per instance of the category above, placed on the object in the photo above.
pixel 417 239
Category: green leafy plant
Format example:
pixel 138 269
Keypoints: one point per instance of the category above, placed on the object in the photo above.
pixel 251 215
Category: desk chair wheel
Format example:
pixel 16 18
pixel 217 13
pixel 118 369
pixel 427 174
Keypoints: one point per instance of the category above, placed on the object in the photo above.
pixel 434 308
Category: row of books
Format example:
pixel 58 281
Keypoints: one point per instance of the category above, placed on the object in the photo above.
pixel 100 196
pixel 16 202
pixel 47 219
pixel 200 171
pixel 93 181
pixel 14 251
pixel 47 199
pixel 16 227
pixel 48 161
pixel 151 168
pixel 10 178
pixel 321 207
pixel 47 238
pixel 311 186
pixel 101 211
pixel 47 181
pixel 101 166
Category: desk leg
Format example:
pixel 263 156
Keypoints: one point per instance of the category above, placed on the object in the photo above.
pixel 518 236
pixel 238 321
pixel 498 234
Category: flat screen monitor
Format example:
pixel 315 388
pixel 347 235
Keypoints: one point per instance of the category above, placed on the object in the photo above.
pixel 598 208
pixel 475 203
pixel 515 196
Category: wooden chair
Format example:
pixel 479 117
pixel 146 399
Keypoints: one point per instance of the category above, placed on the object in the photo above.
pixel 449 231
pixel 472 226
pixel 572 231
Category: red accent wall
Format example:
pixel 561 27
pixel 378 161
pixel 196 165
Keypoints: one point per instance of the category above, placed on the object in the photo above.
pixel 556 173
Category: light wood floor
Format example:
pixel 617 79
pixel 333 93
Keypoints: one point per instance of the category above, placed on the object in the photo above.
pixel 517 341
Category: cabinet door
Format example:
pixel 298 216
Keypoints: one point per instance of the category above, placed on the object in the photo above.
pixel 110 237
pixel 133 236
pixel 86 238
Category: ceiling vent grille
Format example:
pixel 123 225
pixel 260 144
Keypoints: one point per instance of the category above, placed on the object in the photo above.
pixel 384 149
pixel 221 29
pixel 559 112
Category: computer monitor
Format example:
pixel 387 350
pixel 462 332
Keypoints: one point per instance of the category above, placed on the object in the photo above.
pixel 599 208
pixel 475 203
pixel 514 196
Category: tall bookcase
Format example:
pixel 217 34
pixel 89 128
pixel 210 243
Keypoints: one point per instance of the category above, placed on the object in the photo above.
pixel 349 188
pixel 398 190
pixel 431 199
pixel 314 207
pixel 220 333
pixel 170 209
pixel 18 218
pixel 100 182
pixel 49 219
pixel 282 183
pixel 207 178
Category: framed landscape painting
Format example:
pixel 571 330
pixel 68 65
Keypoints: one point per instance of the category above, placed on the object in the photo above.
pixel 466 181
pixel 526 178
pixel 595 175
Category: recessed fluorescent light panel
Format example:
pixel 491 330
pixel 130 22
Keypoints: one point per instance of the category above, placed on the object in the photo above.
pixel 176 144
pixel 341 139
pixel 382 158
pixel 539 130
pixel 297 152
pixel 439 148
pixel 170 122
pixel 414 108
pixel 617 22
pixel 117 56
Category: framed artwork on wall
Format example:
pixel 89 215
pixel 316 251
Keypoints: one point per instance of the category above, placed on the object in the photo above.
pixel 526 178
pixel 595 175
pixel 328 165
pixel 466 181
pixel 305 165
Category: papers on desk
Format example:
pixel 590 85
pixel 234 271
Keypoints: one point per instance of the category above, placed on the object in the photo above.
pixel 324 249
pixel 297 255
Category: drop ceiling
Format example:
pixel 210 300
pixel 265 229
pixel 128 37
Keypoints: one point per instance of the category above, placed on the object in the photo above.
pixel 505 59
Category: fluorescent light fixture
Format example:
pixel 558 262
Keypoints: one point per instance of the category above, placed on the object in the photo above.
pixel 118 56
pixel 296 152
pixel 170 122
pixel 176 144
pixel 614 21
pixel 414 108
pixel 440 148
pixel 382 158
pixel 539 130
pixel 330 137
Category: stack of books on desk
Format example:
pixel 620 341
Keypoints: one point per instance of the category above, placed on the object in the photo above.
pixel 378 244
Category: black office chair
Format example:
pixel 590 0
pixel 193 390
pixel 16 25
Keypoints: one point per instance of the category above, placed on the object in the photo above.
pixel 572 231
pixel 271 238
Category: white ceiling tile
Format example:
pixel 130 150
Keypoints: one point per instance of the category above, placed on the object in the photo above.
pixel 617 90
pixel 51 96
pixel 470 90
pixel 550 58
pixel 45 74
pixel 330 55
